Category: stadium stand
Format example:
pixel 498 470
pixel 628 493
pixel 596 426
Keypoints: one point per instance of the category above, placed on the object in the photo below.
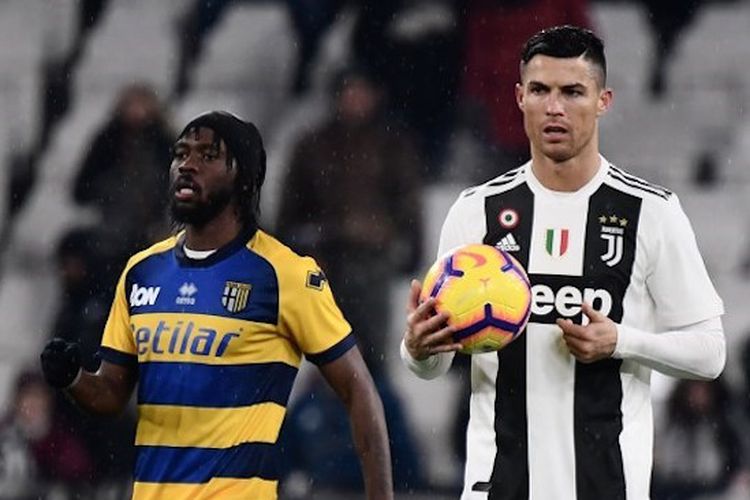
pixel 246 66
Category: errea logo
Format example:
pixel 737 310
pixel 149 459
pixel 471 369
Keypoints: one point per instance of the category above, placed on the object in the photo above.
pixel 187 294
pixel 143 295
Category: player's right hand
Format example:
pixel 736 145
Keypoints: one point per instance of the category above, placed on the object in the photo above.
pixel 427 331
pixel 61 362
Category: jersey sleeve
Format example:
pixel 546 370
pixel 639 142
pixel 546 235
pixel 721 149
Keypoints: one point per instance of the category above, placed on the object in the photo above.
pixel 310 315
pixel 118 345
pixel 678 281
pixel 454 233
pixel 460 226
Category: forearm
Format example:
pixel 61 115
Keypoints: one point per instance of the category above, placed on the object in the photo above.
pixel 429 368
pixel 695 351
pixel 99 393
pixel 349 377
pixel 371 441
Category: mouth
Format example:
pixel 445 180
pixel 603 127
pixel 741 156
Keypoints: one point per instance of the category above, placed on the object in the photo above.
pixel 185 189
pixel 555 130
pixel 554 133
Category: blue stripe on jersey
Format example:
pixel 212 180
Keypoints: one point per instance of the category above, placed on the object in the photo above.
pixel 118 357
pixel 334 352
pixel 162 283
pixel 163 464
pixel 217 386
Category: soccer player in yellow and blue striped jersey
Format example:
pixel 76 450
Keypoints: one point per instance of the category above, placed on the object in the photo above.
pixel 212 324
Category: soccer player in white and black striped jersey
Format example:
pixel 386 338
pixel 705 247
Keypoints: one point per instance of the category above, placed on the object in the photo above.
pixel 619 289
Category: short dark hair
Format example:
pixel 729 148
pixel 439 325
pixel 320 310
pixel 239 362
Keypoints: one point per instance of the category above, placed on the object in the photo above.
pixel 567 41
pixel 245 146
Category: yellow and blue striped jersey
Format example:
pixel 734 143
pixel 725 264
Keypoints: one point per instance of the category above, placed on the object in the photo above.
pixel 217 343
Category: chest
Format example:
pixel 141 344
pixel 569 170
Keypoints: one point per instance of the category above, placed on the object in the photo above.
pixel 574 249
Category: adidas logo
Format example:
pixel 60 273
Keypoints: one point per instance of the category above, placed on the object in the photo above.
pixel 508 243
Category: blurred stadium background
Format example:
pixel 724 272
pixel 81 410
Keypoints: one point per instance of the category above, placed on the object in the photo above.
pixel 246 66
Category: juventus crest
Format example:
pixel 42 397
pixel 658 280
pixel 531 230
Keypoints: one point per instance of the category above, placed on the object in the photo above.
pixel 612 232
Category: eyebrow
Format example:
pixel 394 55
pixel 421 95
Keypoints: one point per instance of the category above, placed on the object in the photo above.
pixel 201 146
pixel 574 86
pixel 569 86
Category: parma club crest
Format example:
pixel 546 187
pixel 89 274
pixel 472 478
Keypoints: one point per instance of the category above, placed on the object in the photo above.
pixel 235 296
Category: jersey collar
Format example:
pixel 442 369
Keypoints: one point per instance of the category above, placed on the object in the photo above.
pixel 240 241
pixel 586 190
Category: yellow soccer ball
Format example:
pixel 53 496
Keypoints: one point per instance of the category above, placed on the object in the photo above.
pixel 486 294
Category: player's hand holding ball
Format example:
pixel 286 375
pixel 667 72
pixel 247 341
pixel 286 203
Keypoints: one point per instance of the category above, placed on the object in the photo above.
pixel 61 362
pixel 476 298
pixel 427 332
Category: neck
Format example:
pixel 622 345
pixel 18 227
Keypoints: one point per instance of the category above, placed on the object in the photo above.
pixel 214 234
pixel 568 175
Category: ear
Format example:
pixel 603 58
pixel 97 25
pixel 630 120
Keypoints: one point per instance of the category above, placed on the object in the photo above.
pixel 519 96
pixel 606 96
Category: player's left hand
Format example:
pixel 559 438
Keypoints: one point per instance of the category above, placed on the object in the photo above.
pixel 595 341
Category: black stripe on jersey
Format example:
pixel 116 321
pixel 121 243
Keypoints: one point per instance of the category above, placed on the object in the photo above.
pixel 641 181
pixel 507 177
pixel 504 179
pixel 510 474
pixel 611 239
pixel 637 183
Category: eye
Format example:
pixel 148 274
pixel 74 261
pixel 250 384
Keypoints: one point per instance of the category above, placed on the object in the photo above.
pixel 178 155
pixel 209 156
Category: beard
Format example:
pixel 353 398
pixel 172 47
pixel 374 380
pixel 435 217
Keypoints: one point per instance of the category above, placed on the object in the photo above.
pixel 201 212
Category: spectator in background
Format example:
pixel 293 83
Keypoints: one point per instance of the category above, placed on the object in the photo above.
pixel 414 48
pixel 80 318
pixel 85 303
pixel 668 19
pixel 39 453
pixel 697 451
pixel 198 20
pixel 354 203
pixel 124 178
pixel 495 32
pixel 310 20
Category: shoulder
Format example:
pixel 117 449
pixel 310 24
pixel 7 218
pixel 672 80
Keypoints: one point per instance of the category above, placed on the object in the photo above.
pixel 660 207
pixel 154 250
pixel 288 265
pixel 499 184
pixel 649 192
pixel 475 196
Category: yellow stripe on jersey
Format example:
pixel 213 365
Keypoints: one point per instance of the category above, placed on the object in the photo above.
pixel 216 488
pixel 116 330
pixel 200 338
pixel 166 425
pixel 308 314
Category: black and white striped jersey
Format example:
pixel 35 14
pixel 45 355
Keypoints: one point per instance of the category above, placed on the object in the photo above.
pixel 542 425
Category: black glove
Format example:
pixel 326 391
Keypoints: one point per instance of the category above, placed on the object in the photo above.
pixel 61 362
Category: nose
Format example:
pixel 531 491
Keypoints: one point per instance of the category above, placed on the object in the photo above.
pixel 554 104
pixel 186 163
